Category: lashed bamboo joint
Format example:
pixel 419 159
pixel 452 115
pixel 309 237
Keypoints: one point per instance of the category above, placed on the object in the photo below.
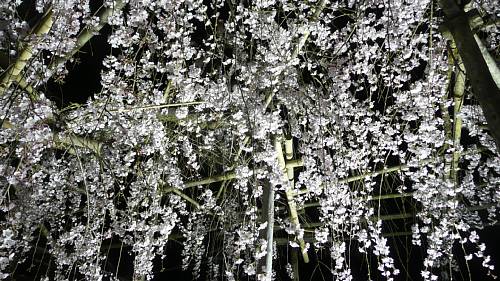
pixel 289 179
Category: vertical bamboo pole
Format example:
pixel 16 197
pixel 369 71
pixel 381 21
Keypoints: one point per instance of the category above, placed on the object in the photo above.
pixel 295 265
pixel 458 98
pixel 485 89
pixel 270 233
pixel 266 267
pixel 288 177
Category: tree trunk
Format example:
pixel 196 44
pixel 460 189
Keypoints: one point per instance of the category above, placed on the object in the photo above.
pixel 484 87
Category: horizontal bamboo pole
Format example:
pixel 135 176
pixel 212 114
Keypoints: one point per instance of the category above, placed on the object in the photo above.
pixel 371 198
pixel 212 179
pixel 82 142
pixel 280 241
pixel 399 216
pixel 68 141
pixel 230 176
pixel 157 106
pixel 300 163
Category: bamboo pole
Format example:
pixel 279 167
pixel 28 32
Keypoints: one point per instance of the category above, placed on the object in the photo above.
pixel 183 196
pixel 290 195
pixel 4 64
pixel 270 232
pixel 458 98
pixel 369 198
pixel 300 163
pixel 302 41
pixel 390 217
pixel 157 106
pixel 295 265
pixel 288 178
pixel 88 32
pixel 270 96
pixel 399 216
pixel 13 74
pixel 485 89
pixel 305 36
pixel 280 241
pixel 490 61
pixel 82 142
pixel 68 140
pixel 25 55
pixel 294 55
pixel 311 239
pixel 212 179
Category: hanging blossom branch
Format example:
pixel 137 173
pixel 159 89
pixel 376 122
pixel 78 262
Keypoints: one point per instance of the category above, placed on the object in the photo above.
pixel 341 78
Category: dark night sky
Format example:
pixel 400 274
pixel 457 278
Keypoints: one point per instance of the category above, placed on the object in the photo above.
pixel 83 81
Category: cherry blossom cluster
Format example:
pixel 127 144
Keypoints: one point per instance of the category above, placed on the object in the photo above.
pixel 193 89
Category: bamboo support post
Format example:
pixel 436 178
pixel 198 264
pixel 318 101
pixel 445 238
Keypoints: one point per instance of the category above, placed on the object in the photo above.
pixel 372 218
pixel 300 163
pixel 21 82
pixel 375 173
pixel 311 239
pixel 305 35
pixel 25 55
pixel 302 41
pixel 370 198
pixel 212 179
pixel 270 232
pixel 13 74
pixel 458 98
pixel 400 216
pixel 295 265
pixel 184 196
pixel 485 89
pixel 77 141
pixel 490 61
pixel 157 106
pixel 88 32
pixel 68 141
pixel 294 55
pixel 292 205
